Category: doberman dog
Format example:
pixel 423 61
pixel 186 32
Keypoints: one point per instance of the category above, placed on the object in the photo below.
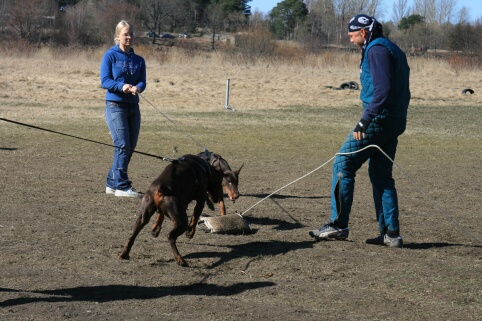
pixel 186 179
pixel 230 177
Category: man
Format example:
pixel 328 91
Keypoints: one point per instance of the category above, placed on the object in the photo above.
pixel 385 95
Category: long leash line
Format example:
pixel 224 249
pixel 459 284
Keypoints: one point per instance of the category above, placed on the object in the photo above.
pixel 316 169
pixel 86 139
pixel 172 122
pixel 412 181
pixel 263 199
pixel 279 189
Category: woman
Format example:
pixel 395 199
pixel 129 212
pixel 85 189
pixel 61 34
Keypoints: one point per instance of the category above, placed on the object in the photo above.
pixel 123 75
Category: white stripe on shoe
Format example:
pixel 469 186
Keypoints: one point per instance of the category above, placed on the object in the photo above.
pixel 109 190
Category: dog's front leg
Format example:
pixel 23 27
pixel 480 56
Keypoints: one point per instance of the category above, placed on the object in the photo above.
pixel 198 209
pixel 222 207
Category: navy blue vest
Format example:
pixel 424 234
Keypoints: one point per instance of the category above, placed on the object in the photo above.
pixel 399 95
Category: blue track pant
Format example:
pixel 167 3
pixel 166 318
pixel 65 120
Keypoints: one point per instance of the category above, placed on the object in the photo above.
pixel 382 131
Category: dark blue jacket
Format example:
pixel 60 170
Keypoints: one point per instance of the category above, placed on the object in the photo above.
pixel 119 68
pixel 384 77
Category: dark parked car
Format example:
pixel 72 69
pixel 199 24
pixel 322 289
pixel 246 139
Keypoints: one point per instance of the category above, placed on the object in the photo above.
pixel 167 36
pixel 151 34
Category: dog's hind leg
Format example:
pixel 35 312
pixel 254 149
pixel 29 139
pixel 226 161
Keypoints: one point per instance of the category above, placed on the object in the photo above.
pixel 158 199
pixel 156 227
pixel 147 209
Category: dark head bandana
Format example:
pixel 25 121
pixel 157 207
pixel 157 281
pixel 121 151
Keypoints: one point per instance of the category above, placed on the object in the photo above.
pixel 358 22
pixel 362 21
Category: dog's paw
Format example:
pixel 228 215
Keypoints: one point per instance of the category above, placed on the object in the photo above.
pixel 180 261
pixel 190 233
pixel 123 256
pixel 155 232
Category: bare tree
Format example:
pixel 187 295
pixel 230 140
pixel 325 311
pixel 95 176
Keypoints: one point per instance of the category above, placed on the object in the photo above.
pixel 310 4
pixel 182 16
pixel 214 18
pixel 400 10
pixel 155 13
pixel 106 14
pixel 29 16
pixel 346 9
pixel 75 19
pixel 435 11
pixel 446 11
pixel 370 7
pixel 427 9
pixel 343 12
pixel 93 22
pixel 235 21
pixel 323 20
pixel 463 16
pixel 258 18
pixel 4 12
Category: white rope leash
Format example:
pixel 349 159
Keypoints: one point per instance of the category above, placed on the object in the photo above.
pixel 412 181
pixel 319 167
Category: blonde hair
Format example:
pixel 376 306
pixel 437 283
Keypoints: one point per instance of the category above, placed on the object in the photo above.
pixel 118 28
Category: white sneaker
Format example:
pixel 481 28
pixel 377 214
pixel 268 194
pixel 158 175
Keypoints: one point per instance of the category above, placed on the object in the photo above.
pixel 109 190
pixel 329 231
pixel 130 192
pixel 386 240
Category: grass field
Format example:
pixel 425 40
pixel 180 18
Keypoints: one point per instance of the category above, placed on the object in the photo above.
pixel 60 235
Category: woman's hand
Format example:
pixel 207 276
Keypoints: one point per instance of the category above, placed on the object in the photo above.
pixel 134 90
pixel 126 88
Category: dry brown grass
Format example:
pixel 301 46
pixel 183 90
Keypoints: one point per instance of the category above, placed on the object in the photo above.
pixel 60 234
pixel 177 79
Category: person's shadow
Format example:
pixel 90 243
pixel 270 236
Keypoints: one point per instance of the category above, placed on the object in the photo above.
pixel 427 246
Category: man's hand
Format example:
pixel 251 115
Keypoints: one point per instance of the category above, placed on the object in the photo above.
pixel 360 129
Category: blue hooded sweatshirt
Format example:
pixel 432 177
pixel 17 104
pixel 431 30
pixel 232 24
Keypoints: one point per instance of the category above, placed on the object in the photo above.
pixel 119 68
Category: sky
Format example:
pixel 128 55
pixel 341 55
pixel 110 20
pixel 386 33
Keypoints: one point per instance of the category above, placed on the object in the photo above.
pixel 474 6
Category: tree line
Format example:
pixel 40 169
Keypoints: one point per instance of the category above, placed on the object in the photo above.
pixel 433 24
pixel 88 22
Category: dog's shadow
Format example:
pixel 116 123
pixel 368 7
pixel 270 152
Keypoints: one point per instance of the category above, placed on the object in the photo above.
pixel 250 250
pixel 110 293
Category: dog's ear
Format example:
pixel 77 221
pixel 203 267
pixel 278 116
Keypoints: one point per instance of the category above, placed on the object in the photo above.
pixel 159 192
pixel 238 170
